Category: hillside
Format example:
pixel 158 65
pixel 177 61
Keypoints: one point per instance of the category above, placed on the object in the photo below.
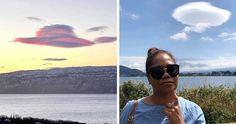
pixel 60 80
pixel 128 72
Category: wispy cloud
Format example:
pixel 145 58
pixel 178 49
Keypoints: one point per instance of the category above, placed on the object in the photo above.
pixel 54 59
pixel 207 39
pixel 207 64
pixel 230 39
pixel 120 8
pixel 105 39
pixel 98 28
pixel 199 16
pixel 133 16
pixel 197 28
pixel 34 18
pixel 186 64
pixel 47 64
pixel 137 62
pixel 179 36
pixel 228 36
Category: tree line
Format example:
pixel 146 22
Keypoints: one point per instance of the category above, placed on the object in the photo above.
pixel 213 73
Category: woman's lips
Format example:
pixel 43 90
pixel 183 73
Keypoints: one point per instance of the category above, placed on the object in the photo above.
pixel 166 82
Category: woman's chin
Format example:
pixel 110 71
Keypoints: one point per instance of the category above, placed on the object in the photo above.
pixel 167 89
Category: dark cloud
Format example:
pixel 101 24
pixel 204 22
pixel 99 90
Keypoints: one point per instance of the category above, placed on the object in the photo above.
pixel 2 66
pixel 57 35
pixel 105 39
pixel 34 18
pixel 99 28
pixel 54 59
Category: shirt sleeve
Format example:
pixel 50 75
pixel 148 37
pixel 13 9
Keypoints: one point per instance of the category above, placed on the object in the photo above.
pixel 200 119
pixel 126 112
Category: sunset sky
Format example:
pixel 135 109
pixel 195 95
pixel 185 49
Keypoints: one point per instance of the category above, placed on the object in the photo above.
pixel 50 33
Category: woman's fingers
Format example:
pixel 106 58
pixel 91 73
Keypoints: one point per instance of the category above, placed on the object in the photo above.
pixel 172 111
pixel 169 111
pixel 176 108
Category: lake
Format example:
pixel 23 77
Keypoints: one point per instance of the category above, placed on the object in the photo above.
pixel 192 82
pixel 88 108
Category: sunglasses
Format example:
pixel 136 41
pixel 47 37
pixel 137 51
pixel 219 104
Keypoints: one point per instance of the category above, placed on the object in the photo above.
pixel 157 72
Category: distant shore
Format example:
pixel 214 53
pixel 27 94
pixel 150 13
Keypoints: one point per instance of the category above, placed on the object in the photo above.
pixel 15 119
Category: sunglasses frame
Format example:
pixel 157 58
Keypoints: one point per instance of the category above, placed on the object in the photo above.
pixel 162 69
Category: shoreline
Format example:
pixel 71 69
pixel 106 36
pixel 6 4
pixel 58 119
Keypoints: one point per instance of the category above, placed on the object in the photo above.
pixel 16 119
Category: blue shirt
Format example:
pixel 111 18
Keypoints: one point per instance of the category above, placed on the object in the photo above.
pixel 153 114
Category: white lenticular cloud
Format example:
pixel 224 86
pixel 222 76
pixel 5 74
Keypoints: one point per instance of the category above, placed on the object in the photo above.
pixel 198 16
pixel 179 36
pixel 201 13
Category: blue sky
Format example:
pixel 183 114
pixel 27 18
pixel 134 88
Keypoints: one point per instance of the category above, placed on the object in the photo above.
pixel 200 34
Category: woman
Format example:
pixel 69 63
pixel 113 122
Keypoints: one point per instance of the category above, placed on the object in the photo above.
pixel 163 106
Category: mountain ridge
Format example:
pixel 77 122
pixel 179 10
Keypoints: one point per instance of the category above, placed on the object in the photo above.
pixel 129 72
pixel 88 79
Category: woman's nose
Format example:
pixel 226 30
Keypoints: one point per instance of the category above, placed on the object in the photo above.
pixel 165 75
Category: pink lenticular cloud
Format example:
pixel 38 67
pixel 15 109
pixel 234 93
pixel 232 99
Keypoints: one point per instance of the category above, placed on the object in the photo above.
pixel 56 35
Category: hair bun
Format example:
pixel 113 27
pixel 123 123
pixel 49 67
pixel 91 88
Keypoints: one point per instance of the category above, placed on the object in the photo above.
pixel 151 51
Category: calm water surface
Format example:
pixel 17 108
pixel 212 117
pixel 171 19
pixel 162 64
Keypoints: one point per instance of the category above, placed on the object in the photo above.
pixel 89 108
pixel 192 82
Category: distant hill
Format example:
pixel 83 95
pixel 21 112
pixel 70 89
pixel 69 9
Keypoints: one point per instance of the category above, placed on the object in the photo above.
pixel 128 72
pixel 60 80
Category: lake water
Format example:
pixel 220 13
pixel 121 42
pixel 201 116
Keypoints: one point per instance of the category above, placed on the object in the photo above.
pixel 192 82
pixel 88 108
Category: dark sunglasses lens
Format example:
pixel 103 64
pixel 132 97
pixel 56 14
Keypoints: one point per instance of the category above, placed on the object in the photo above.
pixel 156 72
pixel 173 70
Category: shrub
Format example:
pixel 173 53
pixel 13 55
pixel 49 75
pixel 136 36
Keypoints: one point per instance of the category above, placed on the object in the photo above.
pixel 218 103
pixel 130 91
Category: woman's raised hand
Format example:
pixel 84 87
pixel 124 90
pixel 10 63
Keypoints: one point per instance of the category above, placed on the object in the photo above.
pixel 173 113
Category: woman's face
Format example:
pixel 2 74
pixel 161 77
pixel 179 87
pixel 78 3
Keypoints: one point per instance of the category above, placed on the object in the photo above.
pixel 167 83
